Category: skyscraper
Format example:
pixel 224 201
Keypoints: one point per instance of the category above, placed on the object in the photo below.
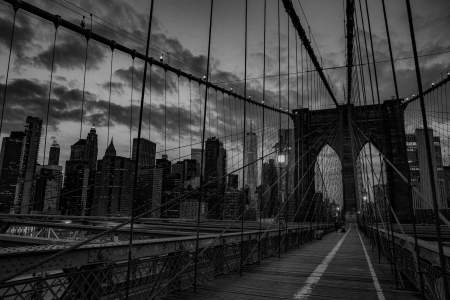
pixel 196 154
pixel 28 157
pixel 79 176
pixel 164 164
pixel 269 189
pixel 214 180
pixel 147 153
pixel 147 179
pixel 47 189
pixel 251 171
pixel 419 170
pixel 9 168
pixel 53 157
pixel 76 181
pixel 113 184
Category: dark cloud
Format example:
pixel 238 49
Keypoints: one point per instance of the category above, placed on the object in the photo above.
pixel 29 97
pixel 23 33
pixel 116 87
pixel 157 79
pixel 70 53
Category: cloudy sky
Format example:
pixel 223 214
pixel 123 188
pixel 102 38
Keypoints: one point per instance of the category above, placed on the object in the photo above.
pixel 180 31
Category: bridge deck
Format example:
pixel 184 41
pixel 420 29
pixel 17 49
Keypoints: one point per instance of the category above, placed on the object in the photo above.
pixel 333 268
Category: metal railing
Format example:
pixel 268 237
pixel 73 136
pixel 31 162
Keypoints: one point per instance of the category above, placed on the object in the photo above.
pixel 157 275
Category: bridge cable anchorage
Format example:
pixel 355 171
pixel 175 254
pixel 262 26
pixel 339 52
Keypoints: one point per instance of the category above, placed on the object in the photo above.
pixel 136 166
pixel 302 34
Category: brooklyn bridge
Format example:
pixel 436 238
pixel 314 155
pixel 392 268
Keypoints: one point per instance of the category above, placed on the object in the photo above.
pixel 216 149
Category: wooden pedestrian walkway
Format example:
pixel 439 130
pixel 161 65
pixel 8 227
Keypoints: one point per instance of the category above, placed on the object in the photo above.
pixel 340 266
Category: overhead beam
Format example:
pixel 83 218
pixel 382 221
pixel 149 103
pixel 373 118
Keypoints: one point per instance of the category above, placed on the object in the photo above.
pixel 307 44
pixel 59 21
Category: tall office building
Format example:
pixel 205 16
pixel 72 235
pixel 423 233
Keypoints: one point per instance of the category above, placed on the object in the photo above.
pixel 91 151
pixel 47 189
pixel 149 194
pixel 286 149
pixel 145 193
pixel 28 158
pixel 215 180
pixel 113 184
pixel 9 168
pixel 53 156
pixel 147 153
pixel 419 170
pixel 251 171
pixel 269 189
pixel 79 178
pixel 447 183
pixel 76 181
pixel 196 154
pixel 233 181
pixel 165 164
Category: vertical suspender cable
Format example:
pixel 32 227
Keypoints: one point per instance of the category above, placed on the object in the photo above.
pixel 11 40
pixel 279 123
pixel 56 23
pixel 131 108
pixel 178 113
pixel 203 148
pixel 136 162
pixel 388 36
pixel 287 149
pixel 262 133
pixel 243 140
pixel 110 91
pixel 165 111
pixel 375 73
pixel 84 81
pixel 150 102
pixel 190 111
pixel 428 141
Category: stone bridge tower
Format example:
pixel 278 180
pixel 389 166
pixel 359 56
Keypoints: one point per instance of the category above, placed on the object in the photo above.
pixel 344 129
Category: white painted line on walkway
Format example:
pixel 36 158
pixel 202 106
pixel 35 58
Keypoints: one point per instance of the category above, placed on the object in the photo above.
pixel 315 276
pixel 376 283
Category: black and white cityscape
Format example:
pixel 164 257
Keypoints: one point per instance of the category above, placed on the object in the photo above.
pixel 224 149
